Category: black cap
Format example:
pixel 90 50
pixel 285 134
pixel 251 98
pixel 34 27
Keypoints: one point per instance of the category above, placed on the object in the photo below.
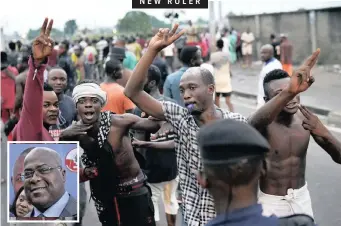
pixel 228 140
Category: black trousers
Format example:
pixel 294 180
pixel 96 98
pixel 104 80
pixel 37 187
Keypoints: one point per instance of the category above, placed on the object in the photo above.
pixel 134 209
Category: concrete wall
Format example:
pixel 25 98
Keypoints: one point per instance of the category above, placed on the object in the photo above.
pixel 307 30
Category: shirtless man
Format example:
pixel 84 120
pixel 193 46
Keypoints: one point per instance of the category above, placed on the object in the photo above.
pixel 283 190
pixel 118 186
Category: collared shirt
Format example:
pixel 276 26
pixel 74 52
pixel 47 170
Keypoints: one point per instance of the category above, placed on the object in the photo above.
pixel 56 209
pixel 198 204
pixel 251 215
pixel 268 66
pixel 171 87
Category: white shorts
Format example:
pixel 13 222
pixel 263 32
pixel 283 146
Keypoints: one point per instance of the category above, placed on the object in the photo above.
pixel 247 49
pixel 168 191
pixel 297 201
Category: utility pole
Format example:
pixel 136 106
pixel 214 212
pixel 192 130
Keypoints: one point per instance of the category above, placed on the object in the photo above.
pixel 220 8
pixel 212 24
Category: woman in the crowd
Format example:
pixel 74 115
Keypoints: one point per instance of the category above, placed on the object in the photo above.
pixel 20 206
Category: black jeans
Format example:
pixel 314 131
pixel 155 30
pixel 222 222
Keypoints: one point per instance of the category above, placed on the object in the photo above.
pixel 134 209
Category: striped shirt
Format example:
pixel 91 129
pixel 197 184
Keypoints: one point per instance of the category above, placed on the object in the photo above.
pixel 198 206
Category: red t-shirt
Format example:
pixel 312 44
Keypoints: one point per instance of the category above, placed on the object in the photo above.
pixel 7 93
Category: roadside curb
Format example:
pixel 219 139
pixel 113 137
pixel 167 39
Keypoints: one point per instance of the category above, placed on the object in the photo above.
pixel 333 118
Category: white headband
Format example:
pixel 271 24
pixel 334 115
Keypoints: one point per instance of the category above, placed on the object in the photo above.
pixel 89 90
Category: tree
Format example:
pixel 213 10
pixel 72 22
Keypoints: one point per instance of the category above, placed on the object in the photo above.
pixel 156 23
pixel 135 22
pixel 55 34
pixel 70 27
pixel 201 21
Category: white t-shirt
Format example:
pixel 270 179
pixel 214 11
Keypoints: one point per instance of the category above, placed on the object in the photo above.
pixel 226 48
pixel 169 50
pixel 267 67
pixel 246 38
pixel 100 46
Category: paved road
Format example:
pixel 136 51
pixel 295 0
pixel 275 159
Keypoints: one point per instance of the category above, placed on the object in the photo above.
pixel 324 93
pixel 323 177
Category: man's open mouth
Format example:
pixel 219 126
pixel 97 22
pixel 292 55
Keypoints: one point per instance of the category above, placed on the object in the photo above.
pixel 53 117
pixel 89 114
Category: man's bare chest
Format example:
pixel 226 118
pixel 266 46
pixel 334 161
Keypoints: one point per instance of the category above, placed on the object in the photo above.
pixel 286 141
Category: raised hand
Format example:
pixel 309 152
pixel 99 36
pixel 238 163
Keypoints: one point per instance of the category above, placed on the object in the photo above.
pixel 90 172
pixel 43 44
pixel 302 79
pixel 76 129
pixel 313 123
pixel 165 37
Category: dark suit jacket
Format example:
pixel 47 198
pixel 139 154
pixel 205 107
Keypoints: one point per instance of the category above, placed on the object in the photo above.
pixel 69 211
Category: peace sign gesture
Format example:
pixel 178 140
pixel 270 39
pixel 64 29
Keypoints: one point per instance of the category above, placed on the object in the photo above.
pixel 301 79
pixel 164 38
pixel 43 45
pixel 312 123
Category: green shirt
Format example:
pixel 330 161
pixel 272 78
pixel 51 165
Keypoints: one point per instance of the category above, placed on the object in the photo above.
pixel 129 61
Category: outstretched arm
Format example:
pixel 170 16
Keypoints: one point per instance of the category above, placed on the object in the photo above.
pixel 134 88
pixel 131 121
pixel 300 81
pixel 163 145
pixel 32 115
pixel 323 137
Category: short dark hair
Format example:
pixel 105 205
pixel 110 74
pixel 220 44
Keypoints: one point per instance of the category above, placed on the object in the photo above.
pixel 112 66
pixel 271 76
pixel 66 44
pixel 220 43
pixel 47 87
pixel 3 57
pixel 206 76
pixel 154 74
pixel 88 81
pixel 12 45
pixel 188 53
pixel 238 173
pixel 13 208
pixel 272 36
pixel 26 151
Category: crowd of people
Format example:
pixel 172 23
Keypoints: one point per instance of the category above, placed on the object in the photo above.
pixel 149 130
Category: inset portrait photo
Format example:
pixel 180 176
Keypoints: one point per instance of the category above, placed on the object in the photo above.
pixel 44 182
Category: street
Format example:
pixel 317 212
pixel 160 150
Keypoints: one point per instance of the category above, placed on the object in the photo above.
pixel 323 176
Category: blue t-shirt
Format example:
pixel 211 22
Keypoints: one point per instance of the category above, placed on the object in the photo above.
pixel 251 215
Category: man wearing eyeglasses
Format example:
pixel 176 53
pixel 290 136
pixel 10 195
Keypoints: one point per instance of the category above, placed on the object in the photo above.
pixel 44 183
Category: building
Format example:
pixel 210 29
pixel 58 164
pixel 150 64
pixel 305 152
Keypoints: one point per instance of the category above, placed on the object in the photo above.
pixel 307 30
